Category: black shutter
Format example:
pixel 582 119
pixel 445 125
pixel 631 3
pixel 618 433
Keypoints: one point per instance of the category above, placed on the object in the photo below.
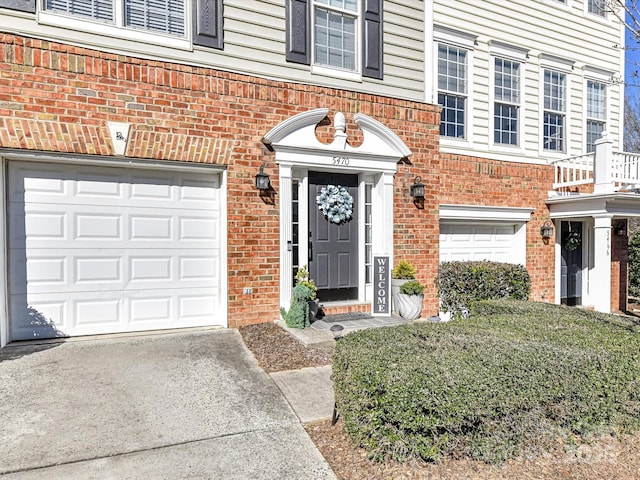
pixel 207 23
pixel 22 5
pixel 372 39
pixel 298 35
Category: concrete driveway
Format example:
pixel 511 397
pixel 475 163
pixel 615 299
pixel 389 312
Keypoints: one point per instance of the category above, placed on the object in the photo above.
pixel 170 406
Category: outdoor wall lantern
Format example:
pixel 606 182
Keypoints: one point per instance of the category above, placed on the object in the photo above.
pixel 262 179
pixel 546 230
pixel 417 189
pixel 621 229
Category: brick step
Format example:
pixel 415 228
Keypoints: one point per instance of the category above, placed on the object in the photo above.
pixel 343 307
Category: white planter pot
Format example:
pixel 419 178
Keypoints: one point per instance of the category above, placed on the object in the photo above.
pixel 395 291
pixel 409 306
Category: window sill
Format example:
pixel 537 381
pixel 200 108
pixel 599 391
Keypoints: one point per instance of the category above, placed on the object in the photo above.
pixel 108 30
pixel 336 73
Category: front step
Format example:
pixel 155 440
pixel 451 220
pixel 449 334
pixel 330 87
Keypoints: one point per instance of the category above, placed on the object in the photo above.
pixel 338 308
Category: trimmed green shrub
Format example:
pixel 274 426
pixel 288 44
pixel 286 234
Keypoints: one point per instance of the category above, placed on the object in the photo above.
pixel 507 383
pixel 298 314
pixel 634 265
pixel 412 287
pixel 462 283
pixel 404 270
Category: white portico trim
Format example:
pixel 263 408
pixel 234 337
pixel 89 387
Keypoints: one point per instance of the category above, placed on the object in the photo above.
pixel 598 211
pixel 298 151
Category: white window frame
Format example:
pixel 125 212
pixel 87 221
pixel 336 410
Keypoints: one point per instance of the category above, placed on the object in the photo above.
pixel 517 55
pixel 592 74
pixel 605 13
pixel 466 41
pixel 328 70
pixel 117 29
pixel 563 66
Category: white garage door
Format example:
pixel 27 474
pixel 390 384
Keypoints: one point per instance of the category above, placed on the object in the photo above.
pixel 481 241
pixel 105 250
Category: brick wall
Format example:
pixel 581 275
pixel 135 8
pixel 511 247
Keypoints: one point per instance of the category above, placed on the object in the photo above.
pixel 474 181
pixel 59 98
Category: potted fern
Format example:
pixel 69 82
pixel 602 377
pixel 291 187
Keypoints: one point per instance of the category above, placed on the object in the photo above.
pixel 410 299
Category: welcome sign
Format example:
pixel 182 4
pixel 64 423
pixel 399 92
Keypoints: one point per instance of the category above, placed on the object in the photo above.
pixel 381 287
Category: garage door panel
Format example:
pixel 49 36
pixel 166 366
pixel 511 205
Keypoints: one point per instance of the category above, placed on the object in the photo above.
pixel 463 242
pixel 86 226
pixel 103 250
pixel 73 270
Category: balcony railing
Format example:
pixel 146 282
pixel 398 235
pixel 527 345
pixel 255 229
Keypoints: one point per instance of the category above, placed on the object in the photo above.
pixel 573 171
pixel 609 171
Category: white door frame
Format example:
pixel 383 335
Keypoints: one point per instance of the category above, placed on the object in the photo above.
pixel 298 150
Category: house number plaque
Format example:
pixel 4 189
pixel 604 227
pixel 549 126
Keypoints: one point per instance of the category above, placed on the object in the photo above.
pixel 341 161
pixel 381 287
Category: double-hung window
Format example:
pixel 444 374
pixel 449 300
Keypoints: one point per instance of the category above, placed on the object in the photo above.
pixel 597 7
pixel 157 16
pixel 506 106
pixel 161 22
pixel 452 90
pixel 335 33
pixel 596 112
pixel 336 37
pixel 554 114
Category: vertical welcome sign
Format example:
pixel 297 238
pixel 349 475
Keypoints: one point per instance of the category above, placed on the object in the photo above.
pixel 381 287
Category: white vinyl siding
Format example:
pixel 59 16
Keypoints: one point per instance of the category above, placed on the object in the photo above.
pixel 537 30
pixel 254 44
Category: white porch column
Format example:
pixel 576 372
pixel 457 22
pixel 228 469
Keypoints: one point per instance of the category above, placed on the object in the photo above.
pixel 603 163
pixel 386 228
pixel 286 235
pixel 600 288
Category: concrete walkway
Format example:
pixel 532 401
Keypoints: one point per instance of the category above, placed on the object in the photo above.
pixel 309 391
pixel 171 406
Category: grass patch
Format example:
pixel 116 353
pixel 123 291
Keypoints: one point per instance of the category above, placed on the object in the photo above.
pixel 513 378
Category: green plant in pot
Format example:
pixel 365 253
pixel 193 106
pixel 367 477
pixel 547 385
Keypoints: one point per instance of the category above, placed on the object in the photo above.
pixel 304 304
pixel 410 299
pixel 403 272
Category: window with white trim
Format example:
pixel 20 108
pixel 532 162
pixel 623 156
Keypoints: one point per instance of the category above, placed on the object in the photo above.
pixel 596 112
pixel 158 16
pixel 554 115
pixel 507 98
pixel 452 90
pixel 597 7
pixel 335 33
pixel 368 233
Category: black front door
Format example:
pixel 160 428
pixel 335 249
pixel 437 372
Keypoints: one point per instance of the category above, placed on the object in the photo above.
pixel 333 247
pixel 571 269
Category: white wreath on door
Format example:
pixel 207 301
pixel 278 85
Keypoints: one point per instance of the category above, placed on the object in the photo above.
pixel 336 203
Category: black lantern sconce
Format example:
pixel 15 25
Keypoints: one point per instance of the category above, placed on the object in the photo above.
pixel 417 189
pixel 262 179
pixel 621 229
pixel 546 230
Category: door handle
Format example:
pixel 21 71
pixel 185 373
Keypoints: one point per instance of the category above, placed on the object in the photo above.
pixel 310 259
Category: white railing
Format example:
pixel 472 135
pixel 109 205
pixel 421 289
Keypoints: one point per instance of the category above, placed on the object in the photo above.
pixel 625 168
pixel 573 171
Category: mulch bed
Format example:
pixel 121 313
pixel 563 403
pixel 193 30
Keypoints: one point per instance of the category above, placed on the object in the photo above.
pixel 606 458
